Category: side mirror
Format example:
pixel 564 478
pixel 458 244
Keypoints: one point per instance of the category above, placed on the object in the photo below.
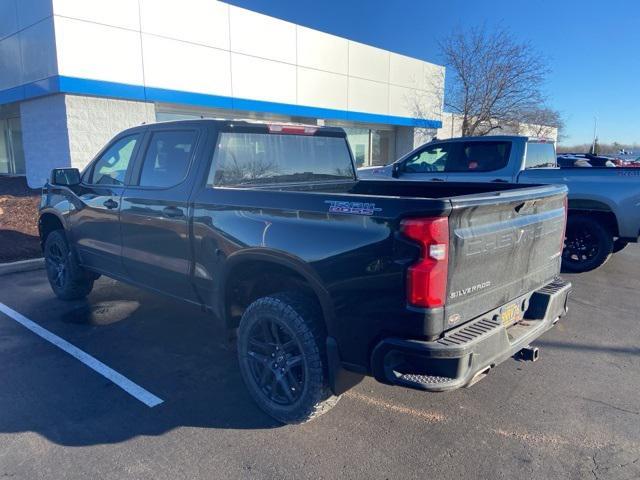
pixel 67 177
pixel 395 170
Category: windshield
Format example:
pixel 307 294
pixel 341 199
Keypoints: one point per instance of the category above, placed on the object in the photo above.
pixel 258 158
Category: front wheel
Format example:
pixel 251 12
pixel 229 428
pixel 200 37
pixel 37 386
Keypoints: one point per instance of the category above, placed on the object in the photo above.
pixel 588 244
pixel 282 357
pixel 68 280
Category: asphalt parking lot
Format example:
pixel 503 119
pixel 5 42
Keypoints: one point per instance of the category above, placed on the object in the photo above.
pixel 573 414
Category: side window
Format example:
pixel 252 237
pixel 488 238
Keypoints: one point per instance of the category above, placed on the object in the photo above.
pixel 540 155
pixel 431 159
pixel 481 157
pixel 111 167
pixel 167 158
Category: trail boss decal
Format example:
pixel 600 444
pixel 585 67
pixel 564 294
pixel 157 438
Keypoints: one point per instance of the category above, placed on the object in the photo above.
pixel 356 208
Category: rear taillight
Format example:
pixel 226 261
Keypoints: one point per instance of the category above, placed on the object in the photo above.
pixel 427 279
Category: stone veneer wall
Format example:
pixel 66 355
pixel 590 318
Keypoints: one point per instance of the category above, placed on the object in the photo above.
pixel 93 121
pixel 68 130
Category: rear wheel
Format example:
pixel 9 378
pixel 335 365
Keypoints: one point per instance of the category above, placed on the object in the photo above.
pixel 282 357
pixel 588 244
pixel 68 280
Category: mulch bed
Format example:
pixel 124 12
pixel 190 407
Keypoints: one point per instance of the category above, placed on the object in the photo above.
pixel 18 220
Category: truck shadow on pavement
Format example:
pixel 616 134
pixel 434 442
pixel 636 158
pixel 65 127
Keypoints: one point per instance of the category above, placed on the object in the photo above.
pixel 590 348
pixel 169 348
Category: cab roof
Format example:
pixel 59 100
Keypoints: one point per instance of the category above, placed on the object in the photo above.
pixel 247 125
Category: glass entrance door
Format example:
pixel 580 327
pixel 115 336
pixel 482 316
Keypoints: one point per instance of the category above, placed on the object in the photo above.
pixel 4 148
pixel 11 152
pixel 14 132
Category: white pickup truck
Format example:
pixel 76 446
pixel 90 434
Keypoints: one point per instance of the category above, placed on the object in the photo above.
pixel 604 203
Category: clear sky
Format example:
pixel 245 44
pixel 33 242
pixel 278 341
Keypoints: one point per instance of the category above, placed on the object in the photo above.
pixel 593 47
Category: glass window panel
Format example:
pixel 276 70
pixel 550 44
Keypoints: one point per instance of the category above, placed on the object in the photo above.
pixel 540 155
pixel 480 157
pixel 431 159
pixel 4 148
pixel 167 159
pixel 358 139
pixel 383 147
pixel 15 135
pixel 112 166
pixel 250 158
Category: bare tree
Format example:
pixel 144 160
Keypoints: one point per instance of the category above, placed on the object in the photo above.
pixel 427 103
pixel 230 170
pixel 493 78
pixel 543 122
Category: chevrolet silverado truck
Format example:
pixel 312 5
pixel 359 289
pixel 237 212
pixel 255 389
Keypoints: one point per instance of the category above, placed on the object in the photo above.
pixel 604 203
pixel 322 278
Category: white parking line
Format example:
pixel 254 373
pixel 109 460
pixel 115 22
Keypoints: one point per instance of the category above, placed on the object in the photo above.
pixel 136 391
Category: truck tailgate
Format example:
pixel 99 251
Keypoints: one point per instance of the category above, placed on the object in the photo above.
pixel 503 245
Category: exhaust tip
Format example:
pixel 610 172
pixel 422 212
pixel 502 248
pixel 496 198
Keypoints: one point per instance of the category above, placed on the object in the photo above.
pixel 530 354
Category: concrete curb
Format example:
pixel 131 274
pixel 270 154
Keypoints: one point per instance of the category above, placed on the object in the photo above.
pixel 21 266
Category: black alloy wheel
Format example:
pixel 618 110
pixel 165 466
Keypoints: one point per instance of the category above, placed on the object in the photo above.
pixel 587 245
pixel 276 360
pixel 282 357
pixel 68 280
pixel 56 263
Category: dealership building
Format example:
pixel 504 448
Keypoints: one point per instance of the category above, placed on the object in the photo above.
pixel 75 72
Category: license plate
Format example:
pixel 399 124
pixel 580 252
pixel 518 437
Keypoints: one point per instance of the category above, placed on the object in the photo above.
pixel 511 314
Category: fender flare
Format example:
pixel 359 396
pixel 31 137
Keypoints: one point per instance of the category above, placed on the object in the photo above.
pixel 56 214
pixel 589 204
pixel 282 259
pixel 594 205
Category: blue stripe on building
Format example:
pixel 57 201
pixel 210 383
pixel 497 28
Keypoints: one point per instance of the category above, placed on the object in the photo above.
pixel 84 86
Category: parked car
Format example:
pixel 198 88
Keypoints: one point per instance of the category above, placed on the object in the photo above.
pixel 572 161
pixel 600 160
pixel 604 203
pixel 324 277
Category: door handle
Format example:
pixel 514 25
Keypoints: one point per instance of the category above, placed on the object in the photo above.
pixel 172 212
pixel 437 179
pixel 499 180
pixel 110 204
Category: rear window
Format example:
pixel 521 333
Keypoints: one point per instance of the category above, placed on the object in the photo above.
pixel 540 155
pixel 256 158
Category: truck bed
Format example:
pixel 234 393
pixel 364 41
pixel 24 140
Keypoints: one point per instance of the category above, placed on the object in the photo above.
pixel 505 239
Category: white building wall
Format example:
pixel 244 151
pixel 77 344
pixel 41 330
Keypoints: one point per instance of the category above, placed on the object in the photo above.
pixel 319 88
pixel 209 75
pixel 210 47
pixel 44 137
pixel 322 51
pixel 98 52
pixel 173 52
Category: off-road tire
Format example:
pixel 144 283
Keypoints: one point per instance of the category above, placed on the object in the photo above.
pixel 600 244
pixel 68 280
pixel 302 319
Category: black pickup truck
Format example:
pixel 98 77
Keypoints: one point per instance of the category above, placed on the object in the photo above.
pixel 322 277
